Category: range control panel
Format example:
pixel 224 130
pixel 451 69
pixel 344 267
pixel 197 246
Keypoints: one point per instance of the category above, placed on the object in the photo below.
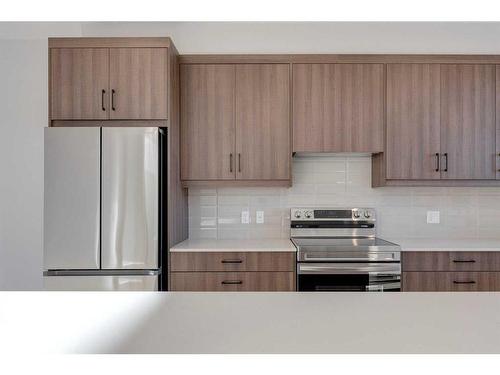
pixel 316 214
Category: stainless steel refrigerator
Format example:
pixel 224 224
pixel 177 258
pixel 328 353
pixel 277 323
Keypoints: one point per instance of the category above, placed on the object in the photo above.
pixel 103 208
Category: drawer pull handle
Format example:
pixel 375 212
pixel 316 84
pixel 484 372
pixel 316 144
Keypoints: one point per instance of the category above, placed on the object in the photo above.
pixel 232 282
pixel 231 261
pixel 464 261
pixel 463 282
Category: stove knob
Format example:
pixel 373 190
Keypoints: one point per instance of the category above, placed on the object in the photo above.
pixel 356 214
pixel 308 214
pixel 367 214
pixel 297 214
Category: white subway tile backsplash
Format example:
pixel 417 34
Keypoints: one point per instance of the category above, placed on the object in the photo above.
pixel 337 181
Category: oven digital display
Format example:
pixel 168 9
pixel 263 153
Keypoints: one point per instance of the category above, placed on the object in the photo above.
pixel 333 214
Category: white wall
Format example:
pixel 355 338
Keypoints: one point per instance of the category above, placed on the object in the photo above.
pixel 319 37
pixel 23 95
pixel 23 114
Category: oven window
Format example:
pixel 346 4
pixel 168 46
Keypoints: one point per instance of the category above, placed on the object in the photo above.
pixel 348 283
pixel 333 283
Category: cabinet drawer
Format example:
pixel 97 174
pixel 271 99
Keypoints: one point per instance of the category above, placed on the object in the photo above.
pixel 451 261
pixel 451 281
pixel 232 261
pixel 232 281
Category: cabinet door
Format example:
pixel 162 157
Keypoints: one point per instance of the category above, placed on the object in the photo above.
pixel 262 122
pixel 451 281
pixel 338 107
pixel 138 83
pixel 468 121
pixel 207 122
pixel 413 121
pixel 209 261
pixel 79 83
pixel 232 281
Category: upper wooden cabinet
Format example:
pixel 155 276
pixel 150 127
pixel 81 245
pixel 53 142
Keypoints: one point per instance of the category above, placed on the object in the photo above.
pixel 138 83
pixel 207 122
pixel 262 122
pixel 338 108
pixel 235 123
pixel 440 125
pixel 468 121
pixel 79 83
pixel 413 121
pixel 129 83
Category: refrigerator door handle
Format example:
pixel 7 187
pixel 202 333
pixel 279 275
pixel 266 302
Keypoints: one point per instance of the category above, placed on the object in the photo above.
pixel 102 273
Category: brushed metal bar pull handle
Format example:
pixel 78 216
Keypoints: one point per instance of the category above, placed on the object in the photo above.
pixel 232 282
pixel 103 92
pixel 239 162
pixel 231 162
pixel 464 282
pixel 437 161
pixel 113 99
pixel 446 162
pixel 464 261
pixel 231 261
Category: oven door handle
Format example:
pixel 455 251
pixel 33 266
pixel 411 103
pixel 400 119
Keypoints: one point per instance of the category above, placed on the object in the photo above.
pixel 382 287
pixel 375 269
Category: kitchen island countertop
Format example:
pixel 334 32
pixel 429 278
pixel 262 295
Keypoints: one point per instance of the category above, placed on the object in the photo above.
pixel 143 322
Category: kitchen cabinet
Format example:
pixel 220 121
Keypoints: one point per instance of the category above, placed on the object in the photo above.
pixel 79 83
pixel 138 83
pixel 232 271
pixel 233 281
pixel 413 121
pixel 235 124
pixel 447 271
pixel 232 261
pixel 338 108
pixel 440 125
pixel 451 281
pixel 207 122
pixel 468 128
pixel 108 83
pixel 262 122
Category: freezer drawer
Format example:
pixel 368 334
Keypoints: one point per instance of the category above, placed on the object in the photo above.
pixel 130 195
pixel 101 283
pixel 71 198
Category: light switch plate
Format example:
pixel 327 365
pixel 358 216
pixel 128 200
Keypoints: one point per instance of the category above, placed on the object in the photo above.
pixel 245 217
pixel 432 217
pixel 259 217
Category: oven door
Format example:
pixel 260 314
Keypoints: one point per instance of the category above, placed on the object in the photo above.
pixel 349 277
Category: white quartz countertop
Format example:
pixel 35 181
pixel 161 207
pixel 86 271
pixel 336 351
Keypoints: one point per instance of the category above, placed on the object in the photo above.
pixel 446 245
pixel 278 245
pixel 249 322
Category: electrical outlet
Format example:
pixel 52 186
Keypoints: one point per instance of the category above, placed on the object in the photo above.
pixel 259 217
pixel 432 217
pixel 245 217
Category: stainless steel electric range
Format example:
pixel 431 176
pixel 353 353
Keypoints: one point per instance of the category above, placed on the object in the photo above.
pixel 337 250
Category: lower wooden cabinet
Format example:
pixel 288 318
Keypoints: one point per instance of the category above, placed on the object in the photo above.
pixel 451 281
pixel 451 261
pixel 233 281
pixel 232 261
pixel 450 271
pixel 239 271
